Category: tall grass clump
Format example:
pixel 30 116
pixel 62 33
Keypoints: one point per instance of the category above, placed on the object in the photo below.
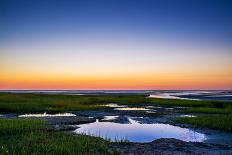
pixel 19 126
pixel 28 136
pixel 206 110
pixel 218 122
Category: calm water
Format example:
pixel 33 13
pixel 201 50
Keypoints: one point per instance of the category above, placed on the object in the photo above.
pixel 132 109
pixel 47 115
pixel 171 94
pixel 136 132
pixel 193 95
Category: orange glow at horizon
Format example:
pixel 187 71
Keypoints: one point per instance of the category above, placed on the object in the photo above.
pixel 96 68
pixel 147 81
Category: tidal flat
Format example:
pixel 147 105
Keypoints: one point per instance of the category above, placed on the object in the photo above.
pixel 120 123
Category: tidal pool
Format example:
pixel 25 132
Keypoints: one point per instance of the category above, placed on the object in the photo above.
pixel 109 118
pixel 114 105
pixel 132 109
pixel 174 95
pixel 136 132
pixel 47 115
pixel 188 116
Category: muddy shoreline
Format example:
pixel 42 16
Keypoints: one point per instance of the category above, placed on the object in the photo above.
pixel 169 146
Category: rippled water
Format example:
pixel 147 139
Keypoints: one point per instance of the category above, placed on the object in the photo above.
pixel 136 132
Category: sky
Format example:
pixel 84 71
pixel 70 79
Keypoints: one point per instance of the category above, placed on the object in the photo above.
pixel 116 44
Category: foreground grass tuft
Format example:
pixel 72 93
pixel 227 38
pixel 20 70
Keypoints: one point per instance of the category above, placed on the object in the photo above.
pixel 218 122
pixel 208 110
pixel 28 136
pixel 19 126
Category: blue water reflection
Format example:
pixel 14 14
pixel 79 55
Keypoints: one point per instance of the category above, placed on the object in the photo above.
pixel 136 132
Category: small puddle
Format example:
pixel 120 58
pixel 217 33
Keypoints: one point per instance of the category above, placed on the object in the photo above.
pixel 151 112
pixel 169 108
pixel 132 109
pixel 188 116
pixel 47 115
pixel 136 132
pixel 150 107
pixel 113 105
pixel 109 118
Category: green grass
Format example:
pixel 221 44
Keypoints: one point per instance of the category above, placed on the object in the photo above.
pixel 31 103
pixel 38 143
pixel 28 136
pixel 218 122
pixel 33 136
pixel 206 110
pixel 18 126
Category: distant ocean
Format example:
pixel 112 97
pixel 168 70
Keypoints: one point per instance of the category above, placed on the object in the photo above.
pixel 169 94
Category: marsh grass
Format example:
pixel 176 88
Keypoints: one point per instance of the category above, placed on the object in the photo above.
pixel 37 103
pixel 123 140
pixel 40 103
pixel 19 126
pixel 52 143
pixel 219 122
pixel 208 110
pixel 28 136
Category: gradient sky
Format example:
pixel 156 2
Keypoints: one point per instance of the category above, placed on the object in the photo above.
pixel 116 44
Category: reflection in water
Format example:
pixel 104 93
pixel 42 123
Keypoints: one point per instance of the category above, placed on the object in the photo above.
pixel 188 116
pixel 193 95
pixel 47 115
pixel 131 109
pixel 163 95
pixel 108 118
pixel 113 105
pixel 174 95
pixel 151 112
pixel 136 132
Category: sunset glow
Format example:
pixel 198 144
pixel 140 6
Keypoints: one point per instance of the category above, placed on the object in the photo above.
pixel 115 45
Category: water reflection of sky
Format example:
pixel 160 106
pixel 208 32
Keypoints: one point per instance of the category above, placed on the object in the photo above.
pixel 193 95
pixel 171 95
pixel 136 132
pixel 47 115
pixel 132 109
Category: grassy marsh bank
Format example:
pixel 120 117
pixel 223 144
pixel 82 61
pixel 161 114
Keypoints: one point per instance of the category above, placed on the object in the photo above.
pixel 29 103
pixel 29 136
pixel 26 136
pixel 218 122
pixel 37 103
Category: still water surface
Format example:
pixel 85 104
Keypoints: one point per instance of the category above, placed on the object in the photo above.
pixel 136 132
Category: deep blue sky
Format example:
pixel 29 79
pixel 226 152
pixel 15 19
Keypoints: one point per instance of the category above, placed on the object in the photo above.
pixel 209 20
